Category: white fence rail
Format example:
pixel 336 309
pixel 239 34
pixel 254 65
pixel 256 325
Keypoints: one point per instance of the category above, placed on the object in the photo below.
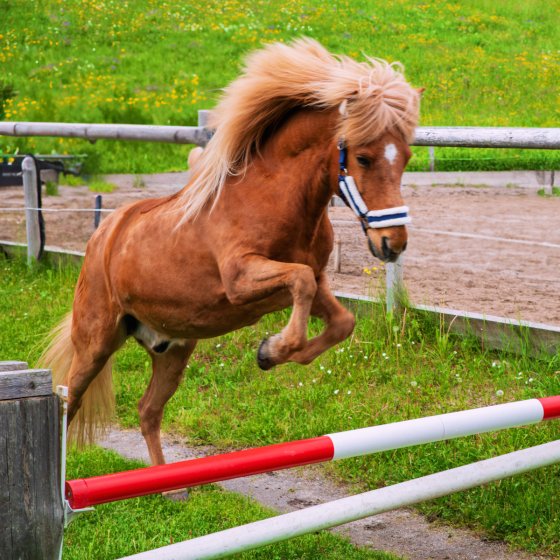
pixel 442 136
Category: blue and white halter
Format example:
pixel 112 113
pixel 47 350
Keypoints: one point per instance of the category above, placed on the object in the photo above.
pixel 387 217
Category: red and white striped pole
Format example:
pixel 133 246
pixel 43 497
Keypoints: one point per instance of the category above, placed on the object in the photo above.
pixel 87 492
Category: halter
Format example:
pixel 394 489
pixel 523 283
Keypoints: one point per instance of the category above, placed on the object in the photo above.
pixel 388 217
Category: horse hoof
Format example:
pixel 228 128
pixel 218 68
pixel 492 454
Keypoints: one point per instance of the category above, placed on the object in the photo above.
pixel 264 361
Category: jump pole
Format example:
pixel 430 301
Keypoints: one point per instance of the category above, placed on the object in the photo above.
pixel 331 514
pixel 86 492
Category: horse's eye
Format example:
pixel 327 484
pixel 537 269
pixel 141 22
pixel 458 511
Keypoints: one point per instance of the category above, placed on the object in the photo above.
pixel 363 161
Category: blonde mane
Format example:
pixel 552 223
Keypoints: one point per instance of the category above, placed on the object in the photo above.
pixel 281 77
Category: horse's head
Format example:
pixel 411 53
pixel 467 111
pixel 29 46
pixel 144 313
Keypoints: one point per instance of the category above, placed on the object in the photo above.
pixel 370 182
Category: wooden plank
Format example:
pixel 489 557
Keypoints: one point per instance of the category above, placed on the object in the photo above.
pixel 13 366
pixel 31 513
pixel 5 505
pixel 25 383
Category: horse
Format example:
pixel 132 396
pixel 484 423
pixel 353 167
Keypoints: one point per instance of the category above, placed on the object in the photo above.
pixel 248 235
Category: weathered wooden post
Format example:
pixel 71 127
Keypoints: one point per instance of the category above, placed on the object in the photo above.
pixel 31 511
pixel 32 227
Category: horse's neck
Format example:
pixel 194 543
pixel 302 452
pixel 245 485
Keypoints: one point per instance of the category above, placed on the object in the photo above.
pixel 305 143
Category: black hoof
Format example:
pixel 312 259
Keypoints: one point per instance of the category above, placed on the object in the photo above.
pixel 263 359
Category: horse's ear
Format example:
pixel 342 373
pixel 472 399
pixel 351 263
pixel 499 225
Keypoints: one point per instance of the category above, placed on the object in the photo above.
pixel 420 91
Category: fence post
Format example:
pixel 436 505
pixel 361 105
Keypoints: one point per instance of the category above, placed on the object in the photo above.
pixel 32 228
pixel 549 185
pixel 97 213
pixel 337 254
pixel 31 516
pixel 432 156
pixel 394 284
pixel 203 117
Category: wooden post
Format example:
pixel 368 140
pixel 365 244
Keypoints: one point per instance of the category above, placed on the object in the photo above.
pixel 29 174
pixel 337 254
pixel 203 116
pixel 31 511
pixel 549 184
pixel 394 283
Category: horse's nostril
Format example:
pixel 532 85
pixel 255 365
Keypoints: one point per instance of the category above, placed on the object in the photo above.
pixel 385 249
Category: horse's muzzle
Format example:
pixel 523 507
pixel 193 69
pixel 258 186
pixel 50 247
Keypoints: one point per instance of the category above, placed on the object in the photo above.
pixel 387 248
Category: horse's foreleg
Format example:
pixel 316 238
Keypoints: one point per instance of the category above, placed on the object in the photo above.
pixel 254 279
pixel 339 323
pixel 167 374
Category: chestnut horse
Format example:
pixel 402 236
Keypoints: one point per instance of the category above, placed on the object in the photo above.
pixel 249 234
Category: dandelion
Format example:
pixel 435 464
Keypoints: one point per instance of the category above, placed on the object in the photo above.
pixel 336 391
pixel 499 393
pixel 414 383
pixel 329 371
pixel 300 384
pixel 314 381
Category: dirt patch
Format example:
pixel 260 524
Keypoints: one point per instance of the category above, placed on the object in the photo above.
pixel 402 532
pixel 507 264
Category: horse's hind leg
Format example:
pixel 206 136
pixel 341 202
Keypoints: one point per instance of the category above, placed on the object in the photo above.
pixel 95 337
pixel 168 368
pixel 339 323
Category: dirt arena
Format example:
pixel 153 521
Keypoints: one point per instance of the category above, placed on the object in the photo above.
pixel 507 263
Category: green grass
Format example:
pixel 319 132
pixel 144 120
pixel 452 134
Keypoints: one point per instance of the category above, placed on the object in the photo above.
pixel 132 526
pixel 483 64
pixel 71 180
pixel 555 192
pixel 387 371
pixel 99 185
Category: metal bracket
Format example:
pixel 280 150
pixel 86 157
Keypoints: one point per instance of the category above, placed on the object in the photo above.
pixel 69 513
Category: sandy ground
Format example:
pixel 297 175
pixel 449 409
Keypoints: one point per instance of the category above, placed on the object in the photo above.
pixel 507 264
pixel 403 532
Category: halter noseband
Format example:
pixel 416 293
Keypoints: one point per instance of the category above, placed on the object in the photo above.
pixel 388 217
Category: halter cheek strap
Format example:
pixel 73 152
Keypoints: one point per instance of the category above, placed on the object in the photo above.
pixel 387 217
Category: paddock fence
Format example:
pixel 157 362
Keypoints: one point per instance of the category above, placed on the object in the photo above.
pixel 496 331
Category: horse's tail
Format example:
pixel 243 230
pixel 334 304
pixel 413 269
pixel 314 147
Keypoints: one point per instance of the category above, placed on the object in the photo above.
pixel 98 402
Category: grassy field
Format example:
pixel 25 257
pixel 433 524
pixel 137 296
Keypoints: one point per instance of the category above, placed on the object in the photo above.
pixel 154 62
pixel 389 370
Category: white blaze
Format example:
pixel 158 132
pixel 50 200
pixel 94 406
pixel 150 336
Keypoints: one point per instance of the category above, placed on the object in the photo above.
pixel 390 153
